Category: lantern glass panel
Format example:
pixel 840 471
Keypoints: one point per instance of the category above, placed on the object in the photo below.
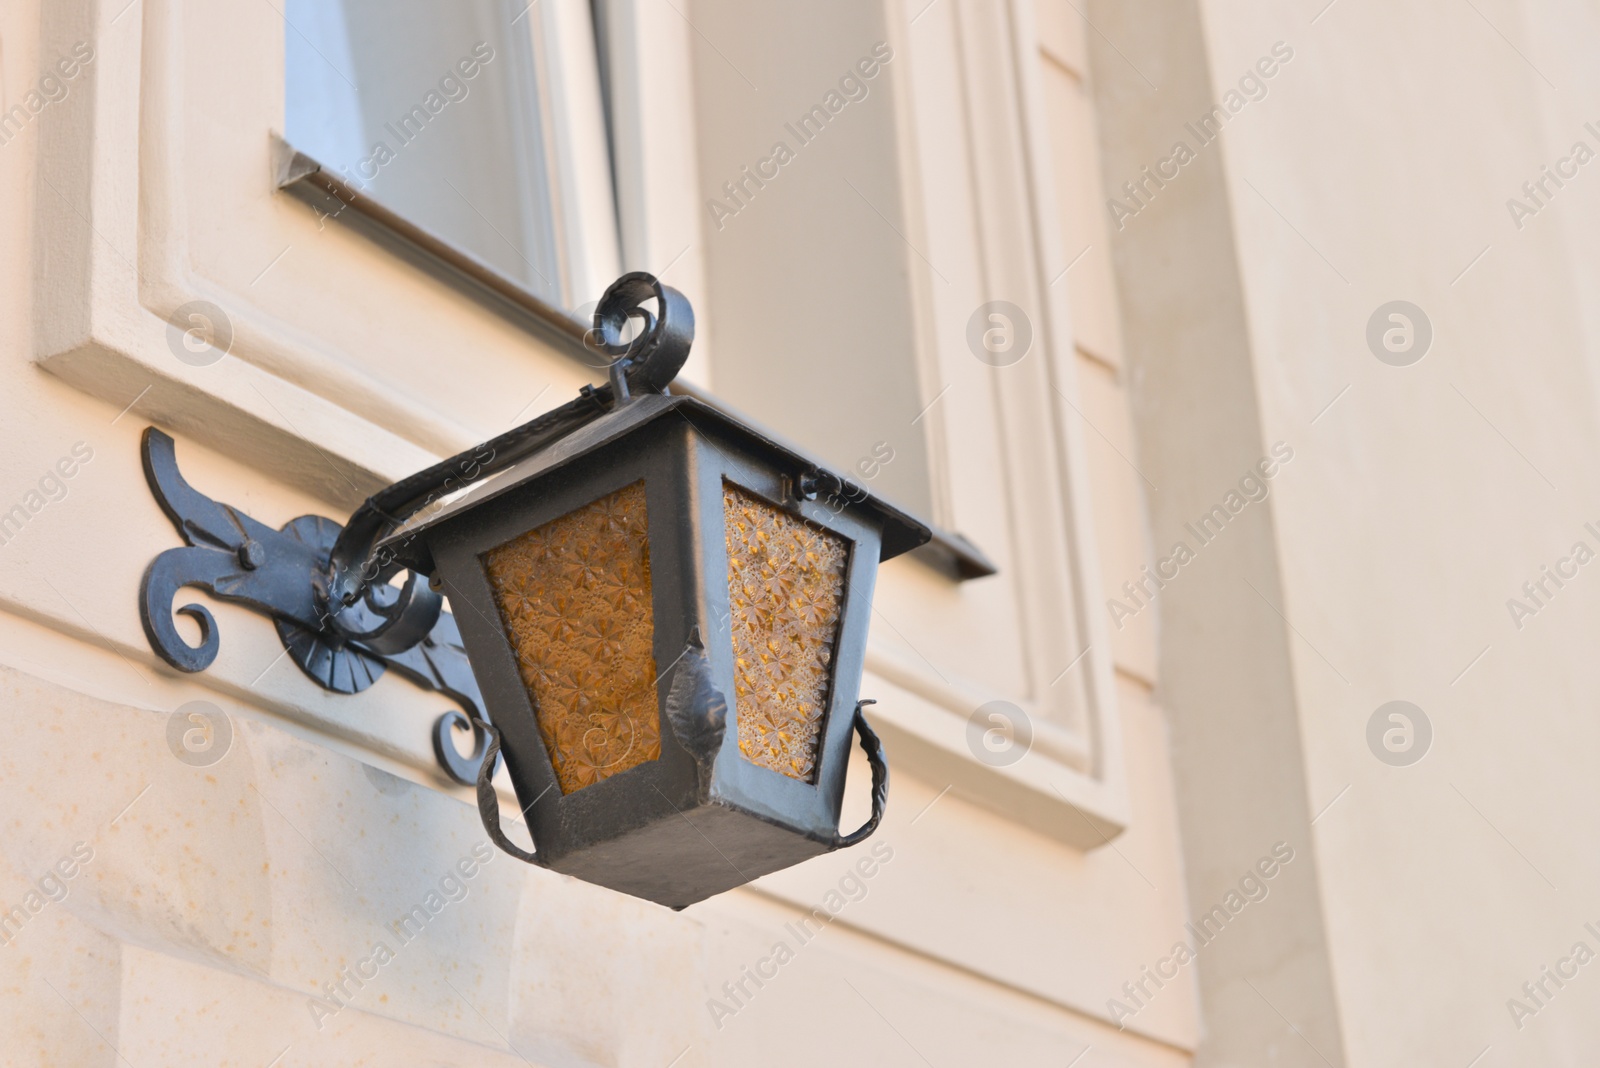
pixel 575 597
pixel 785 591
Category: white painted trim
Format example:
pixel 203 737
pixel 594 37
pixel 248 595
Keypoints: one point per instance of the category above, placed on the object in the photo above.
pixel 656 165
pixel 1077 761
pixel 1050 258
pixel 576 150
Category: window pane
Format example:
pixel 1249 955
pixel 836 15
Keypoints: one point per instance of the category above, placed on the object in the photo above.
pixel 810 276
pixel 431 109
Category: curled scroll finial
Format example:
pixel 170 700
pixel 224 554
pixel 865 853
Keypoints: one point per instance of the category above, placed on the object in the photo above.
pixel 653 357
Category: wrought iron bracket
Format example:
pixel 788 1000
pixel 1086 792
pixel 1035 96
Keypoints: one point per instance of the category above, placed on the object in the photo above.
pixel 327 585
pixel 243 561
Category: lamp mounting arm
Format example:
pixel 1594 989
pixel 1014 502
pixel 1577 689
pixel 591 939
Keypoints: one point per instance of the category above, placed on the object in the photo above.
pixel 648 362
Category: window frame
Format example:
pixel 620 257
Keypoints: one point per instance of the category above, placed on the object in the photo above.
pixel 138 183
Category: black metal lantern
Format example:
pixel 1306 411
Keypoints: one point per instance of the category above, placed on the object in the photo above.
pixel 664 609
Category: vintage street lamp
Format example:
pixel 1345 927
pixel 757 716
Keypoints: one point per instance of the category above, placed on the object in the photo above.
pixel 664 611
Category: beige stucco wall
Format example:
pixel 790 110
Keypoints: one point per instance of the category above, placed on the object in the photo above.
pixel 1186 744
pixel 1376 168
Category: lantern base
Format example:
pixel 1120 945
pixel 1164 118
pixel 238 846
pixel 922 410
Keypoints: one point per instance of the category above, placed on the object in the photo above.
pixel 691 855
pixel 684 854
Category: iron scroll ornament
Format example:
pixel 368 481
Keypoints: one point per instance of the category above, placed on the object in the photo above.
pixel 243 561
pixel 327 586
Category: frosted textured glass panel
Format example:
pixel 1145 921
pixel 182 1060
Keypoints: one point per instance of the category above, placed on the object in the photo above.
pixel 575 598
pixel 785 590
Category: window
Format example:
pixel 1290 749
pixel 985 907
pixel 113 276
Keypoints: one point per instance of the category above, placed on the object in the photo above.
pixel 478 121
pixel 809 266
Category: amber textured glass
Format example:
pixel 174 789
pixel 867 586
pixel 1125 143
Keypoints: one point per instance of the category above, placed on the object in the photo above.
pixel 575 598
pixel 785 589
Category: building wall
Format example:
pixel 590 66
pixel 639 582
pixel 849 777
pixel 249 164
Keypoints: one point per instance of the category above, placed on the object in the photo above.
pixel 1196 747
pixel 1375 165
pixel 215 911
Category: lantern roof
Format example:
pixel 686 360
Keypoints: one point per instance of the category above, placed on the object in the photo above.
pixel 902 532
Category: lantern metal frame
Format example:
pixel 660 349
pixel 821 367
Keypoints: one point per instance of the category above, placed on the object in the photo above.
pixel 344 614
pixel 684 452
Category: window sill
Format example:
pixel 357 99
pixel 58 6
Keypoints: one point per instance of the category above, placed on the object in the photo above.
pixel 1049 788
pixel 307 180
